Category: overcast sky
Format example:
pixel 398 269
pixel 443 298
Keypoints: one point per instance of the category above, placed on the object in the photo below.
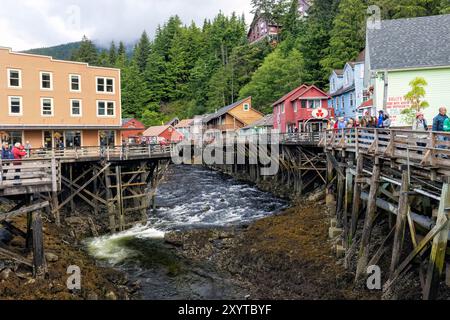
pixel 26 24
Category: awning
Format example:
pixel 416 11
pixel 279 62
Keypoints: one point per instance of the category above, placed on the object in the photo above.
pixel 366 104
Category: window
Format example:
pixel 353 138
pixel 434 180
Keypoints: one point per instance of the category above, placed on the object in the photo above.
pixel 279 109
pixel 47 107
pixel 105 85
pixel 106 108
pixel 12 137
pixel 351 100
pixel 315 104
pixel 75 108
pixel 246 107
pixel 107 138
pixel 295 106
pixel 15 106
pixel 282 108
pixel 14 78
pixel 46 81
pixel 75 83
pixel 304 104
pixel 73 139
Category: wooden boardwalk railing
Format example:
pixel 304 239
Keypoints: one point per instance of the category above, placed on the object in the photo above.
pixel 108 153
pixel 428 149
pixel 29 176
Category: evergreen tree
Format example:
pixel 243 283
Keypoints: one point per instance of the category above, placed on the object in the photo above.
pixel 86 53
pixel 103 59
pixel 348 34
pixel 142 52
pixel 444 7
pixel 112 54
pixel 135 94
pixel 278 75
pixel 313 43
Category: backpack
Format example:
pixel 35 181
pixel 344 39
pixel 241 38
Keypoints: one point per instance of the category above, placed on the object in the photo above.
pixel 447 125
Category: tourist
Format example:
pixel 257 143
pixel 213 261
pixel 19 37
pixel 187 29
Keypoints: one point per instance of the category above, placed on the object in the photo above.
pixel 7 152
pixel 331 124
pixel 18 152
pixel 420 124
pixel 379 123
pixel 438 121
pixel 341 124
pixel 28 148
pixel 387 121
pixel 351 123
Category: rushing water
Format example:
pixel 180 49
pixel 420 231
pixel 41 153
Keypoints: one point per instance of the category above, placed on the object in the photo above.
pixel 190 197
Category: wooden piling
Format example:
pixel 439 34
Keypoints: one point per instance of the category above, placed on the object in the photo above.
pixel 356 206
pixel 347 203
pixel 437 257
pixel 39 263
pixel 402 216
pixel 369 221
pixel 119 196
pixel 110 201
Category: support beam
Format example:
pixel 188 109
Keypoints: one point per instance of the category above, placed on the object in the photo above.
pixel 437 257
pixel 369 221
pixel 402 216
pixel 347 204
pixel 356 207
pixel 39 263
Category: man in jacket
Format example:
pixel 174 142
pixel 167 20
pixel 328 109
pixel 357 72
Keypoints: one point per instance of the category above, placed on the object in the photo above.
pixel 438 121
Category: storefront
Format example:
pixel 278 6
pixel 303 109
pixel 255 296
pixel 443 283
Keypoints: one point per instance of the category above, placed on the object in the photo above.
pixel 57 139
pixel 11 137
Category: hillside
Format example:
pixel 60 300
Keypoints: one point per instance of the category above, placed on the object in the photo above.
pixel 61 52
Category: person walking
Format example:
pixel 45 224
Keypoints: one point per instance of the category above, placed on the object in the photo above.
pixel 6 156
pixel 379 123
pixel 28 148
pixel 18 152
pixel 420 125
pixel 438 121
pixel 387 121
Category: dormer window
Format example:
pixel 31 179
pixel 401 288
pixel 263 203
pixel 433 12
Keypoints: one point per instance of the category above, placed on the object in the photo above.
pixel 246 106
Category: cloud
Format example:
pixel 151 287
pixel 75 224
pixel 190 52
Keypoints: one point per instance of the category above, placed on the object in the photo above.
pixel 26 24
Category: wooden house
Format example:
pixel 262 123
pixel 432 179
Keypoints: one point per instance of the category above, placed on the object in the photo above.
pixel 159 134
pixel 132 130
pixel 304 109
pixel 233 117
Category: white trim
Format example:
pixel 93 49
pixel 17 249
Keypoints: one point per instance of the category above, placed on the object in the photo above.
pixel 79 82
pixel 8 74
pixel 52 107
pixel 105 85
pixel 81 108
pixel 21 106
pixel 41 73
pixel 106 109
pixel 55 60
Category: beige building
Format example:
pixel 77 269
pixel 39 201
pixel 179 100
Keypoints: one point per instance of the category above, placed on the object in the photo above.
pixel 53 103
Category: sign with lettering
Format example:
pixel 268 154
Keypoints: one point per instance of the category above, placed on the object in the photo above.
pixel 394 107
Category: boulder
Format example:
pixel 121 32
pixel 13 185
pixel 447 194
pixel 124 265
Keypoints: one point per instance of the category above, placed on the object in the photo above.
pixel 5 273
pixel 111 296
pixel 51 257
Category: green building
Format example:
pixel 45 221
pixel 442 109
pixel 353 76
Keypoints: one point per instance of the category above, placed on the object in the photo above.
pixel 399 51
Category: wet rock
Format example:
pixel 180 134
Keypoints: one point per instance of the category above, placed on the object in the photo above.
pixel 51 257
pixel 92 296
pixel 111 296
pixel 5 274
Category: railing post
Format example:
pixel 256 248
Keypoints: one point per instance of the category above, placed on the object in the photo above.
pixel 432 149
pixel 1 171
pixel 357 142
pixel 149 151
pixel 107 153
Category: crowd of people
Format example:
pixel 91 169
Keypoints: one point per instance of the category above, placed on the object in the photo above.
pixel 382 121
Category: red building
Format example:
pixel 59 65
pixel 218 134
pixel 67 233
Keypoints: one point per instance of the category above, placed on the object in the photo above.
pixel 162 134
pixel 132 130
pixel 304 109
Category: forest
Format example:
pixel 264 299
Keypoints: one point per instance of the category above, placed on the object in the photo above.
pixel 189 70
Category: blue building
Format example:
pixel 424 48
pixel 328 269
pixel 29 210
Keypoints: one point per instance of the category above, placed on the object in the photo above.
pixel 347 88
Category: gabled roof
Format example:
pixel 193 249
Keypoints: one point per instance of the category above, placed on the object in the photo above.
pixel 286 96
pixel 267 121
pixel 301 93
pixel 186 123
pixel 127 120
pixel 171 122
pixel 343 90
pixel 155 131
pixel 225 110
pixel 410 43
